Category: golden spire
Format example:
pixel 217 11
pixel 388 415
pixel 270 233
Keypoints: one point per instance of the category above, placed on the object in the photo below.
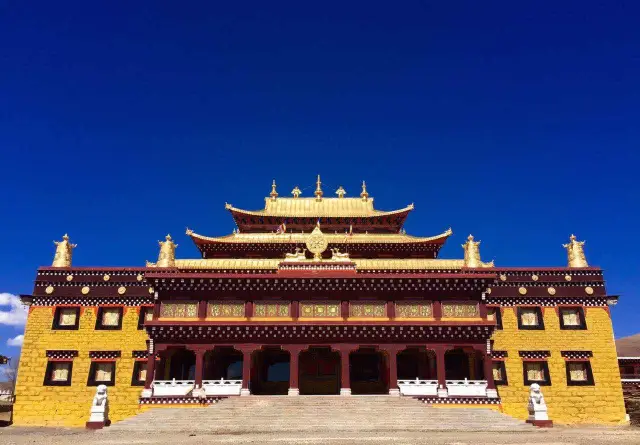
pixel 167 256
pixel 575 252
pixel 318 191
pixel 341 192
pixel 273 193
pixel 296 192
pixel 472 253
pixel 364 195
pixel 64 252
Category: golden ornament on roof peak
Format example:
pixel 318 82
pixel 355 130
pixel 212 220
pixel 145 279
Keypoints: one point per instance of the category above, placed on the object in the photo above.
pixel 364 195
pixel 472 254
pixel 167 256
pixel 64 252
pixel 274 193
pixel 318 191
pixel 575 252
pixel 296 192
pixel 341 192
pixel 317 243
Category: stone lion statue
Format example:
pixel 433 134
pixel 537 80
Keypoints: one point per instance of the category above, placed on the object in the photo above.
pixel 100 399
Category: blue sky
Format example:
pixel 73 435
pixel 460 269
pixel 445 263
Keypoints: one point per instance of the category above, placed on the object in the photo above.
pixel 514 121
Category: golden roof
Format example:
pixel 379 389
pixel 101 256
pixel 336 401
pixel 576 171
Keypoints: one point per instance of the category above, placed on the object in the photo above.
pixel 315 207
pixel 332 238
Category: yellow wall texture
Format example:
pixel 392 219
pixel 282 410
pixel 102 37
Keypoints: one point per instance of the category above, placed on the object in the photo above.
pixel 69 405
pixel 599 404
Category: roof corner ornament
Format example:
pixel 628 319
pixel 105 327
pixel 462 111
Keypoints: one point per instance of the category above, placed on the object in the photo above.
pixel 167 256
pixel 274 193
pixel 318 191
pixel 296 192
pixel 64 252
pixel 575 252
pixel 341 192
pixel 472 253
pixel 364 195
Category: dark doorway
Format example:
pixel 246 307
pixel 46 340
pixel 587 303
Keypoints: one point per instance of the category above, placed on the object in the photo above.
pixel 319 371
pixel 223 363
pixel 179 364
pixel 270 372
pixel 368 372
pixel 416 363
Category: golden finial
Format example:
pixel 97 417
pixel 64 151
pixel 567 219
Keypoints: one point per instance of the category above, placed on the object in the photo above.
pixel 364 195
pixel 472 253
pixel 167 256
pixel 341 192
pixel 64 252
pixel 318 191
pixel 273 193
pixel 575 252
pixel 296 192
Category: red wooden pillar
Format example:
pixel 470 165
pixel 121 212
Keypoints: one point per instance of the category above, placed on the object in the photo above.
pixel 295 309
pixel 151 369
pixel 391 309
pixel 437 310
pixel 248 309
pixel 345 378
pixel 199 352
pixel 246 369
pixel 487 363
pixel 294 357
pixel 441 370
pixel 392 361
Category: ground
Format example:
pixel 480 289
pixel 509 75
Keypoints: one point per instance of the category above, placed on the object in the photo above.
pixel 553 436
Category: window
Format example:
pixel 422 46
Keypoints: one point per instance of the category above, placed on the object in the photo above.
pixel 499 373
pixel 536 372
pixel 58 373
pixel 579 373
pixel 146 314
pixel 109 318
pixel 139 373
pixel 572 318
pixel 530 318
pixel 66 318
pixel 102 373
pixel 493 314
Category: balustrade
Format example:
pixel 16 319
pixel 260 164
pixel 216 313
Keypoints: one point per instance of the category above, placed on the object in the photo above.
pixel 222 387
pixel 172 387
pixel 466 387
pixel 418 387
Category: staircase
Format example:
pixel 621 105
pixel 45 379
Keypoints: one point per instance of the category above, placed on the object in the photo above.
pixel 327 414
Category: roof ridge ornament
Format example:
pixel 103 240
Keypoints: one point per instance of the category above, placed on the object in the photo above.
pixel 341 192
pixel 575 252
pixel 274 193
pixel 64 252
pixel 296 192
pixel 472 254
pixel 318 191
pixel 167 256
pixel 317 243
pixel 364 195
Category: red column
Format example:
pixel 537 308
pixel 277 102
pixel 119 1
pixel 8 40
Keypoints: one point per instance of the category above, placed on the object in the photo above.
pixel 391 309
pixel 392 354
pixel 294 356
pixel 437 309
pixel 440 367
pixel 202 309
pixel 248 309
pixel 199 352
pixel 345 379
pixel 487 363
pixel 246 369
pixel 295 309
pixel 151 368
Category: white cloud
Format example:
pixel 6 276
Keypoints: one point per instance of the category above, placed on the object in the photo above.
pixel 16 315
pixel 16 341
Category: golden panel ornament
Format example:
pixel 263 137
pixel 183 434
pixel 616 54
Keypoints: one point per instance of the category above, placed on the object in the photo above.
pixel 371 309
pixel 69 277
pixel 414 309
pixel 535 277
pixel 85 290
pixel 271 309
pixel 522 290
pixel 139 277
pixel 150 290
pixel 489 290
pixel 503 277
pixel 227 309
pixel 567 277
pixel 551 290
pixel 106 277
pixel 588 290
pixel 49 290
pixel 122 290
pixel 179 310
pixel 317 243
pixel 460 310
pixel 320 310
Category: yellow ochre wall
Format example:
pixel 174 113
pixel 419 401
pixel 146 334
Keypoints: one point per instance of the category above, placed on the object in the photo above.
pixel 69 405
pixel 599 404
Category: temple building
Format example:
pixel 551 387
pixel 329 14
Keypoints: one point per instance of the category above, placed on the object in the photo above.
pixel 318 295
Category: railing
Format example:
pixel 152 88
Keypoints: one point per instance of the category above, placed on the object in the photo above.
pixel 630 377
pixel 222 387
pixel 172 387
pixel 467 387
pixel 418 387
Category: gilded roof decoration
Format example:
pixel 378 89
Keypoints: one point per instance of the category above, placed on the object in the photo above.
pixel 575 253
pixel 64 252
pixel 167 256
pixel 472 254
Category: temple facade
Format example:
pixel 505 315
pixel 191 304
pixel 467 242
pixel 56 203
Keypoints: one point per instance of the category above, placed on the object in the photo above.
pixel 318 295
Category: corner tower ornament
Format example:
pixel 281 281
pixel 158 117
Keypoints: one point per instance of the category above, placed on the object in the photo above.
pixel 64 252
pixel 472 253
pixel 167 256
pixel 575 252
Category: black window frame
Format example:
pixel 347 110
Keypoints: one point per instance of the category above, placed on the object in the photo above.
pixel 501 364
pixel 56 326
pixel 101 327
pixel 141 317
pixel 583 322
pixel 545 370
pixel 48 381
pixel 498 315
pixel 136 370
pixel 538 327
pixel 588 382
pixel 91 381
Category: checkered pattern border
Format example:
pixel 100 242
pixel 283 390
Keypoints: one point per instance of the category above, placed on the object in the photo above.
pixel 187 400
pixel 61 354
pixel 576 354
pixel 535 354
pixel 459 400
pixel 101 355
pixel 548 301
pixel 140 354
pixel 499 354
pixel 91 301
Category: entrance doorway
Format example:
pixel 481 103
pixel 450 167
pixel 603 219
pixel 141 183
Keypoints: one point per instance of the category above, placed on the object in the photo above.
pixel 368 372
pixel 416 363
pixel 270 375
pixel 319 371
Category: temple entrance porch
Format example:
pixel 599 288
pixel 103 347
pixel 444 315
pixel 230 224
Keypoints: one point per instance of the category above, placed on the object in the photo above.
pixel 368 372
pixel 319 370
pixel 270 374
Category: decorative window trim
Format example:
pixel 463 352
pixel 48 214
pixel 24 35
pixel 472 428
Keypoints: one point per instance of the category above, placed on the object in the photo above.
pixel 545 370
pixel 56 319
pixel 575 356
pixel 539 326
pixel 587 364
pixel 140 355
pixel 581 314
pixel 104 355
pixel 63 355
pixel 101 327
pixel 501 364
pixel 498 313
pixel 499 355
pixel 136 371
pixel 48 381
pixel 91 381
pixel 534 355
pixel 142 315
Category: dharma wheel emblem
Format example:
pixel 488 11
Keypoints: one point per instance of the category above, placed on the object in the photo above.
pixel 317 243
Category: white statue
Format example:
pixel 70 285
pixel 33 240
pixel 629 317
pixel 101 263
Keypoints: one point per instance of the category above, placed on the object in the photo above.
pixel 537 407
pixel 99 409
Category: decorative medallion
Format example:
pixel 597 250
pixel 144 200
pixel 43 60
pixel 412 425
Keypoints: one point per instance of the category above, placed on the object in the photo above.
pixel 534 277
pixel 317 243
pixel 49 290
pixel 522 291
pixel 588 290
pixel 567 277
pixel 489 290
pixel 551 290
pixel 150 290
pixel 69 277
pixel 106 278
pixel 503 277
pixel 139 277
pixel 85 290
pixel 122 290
